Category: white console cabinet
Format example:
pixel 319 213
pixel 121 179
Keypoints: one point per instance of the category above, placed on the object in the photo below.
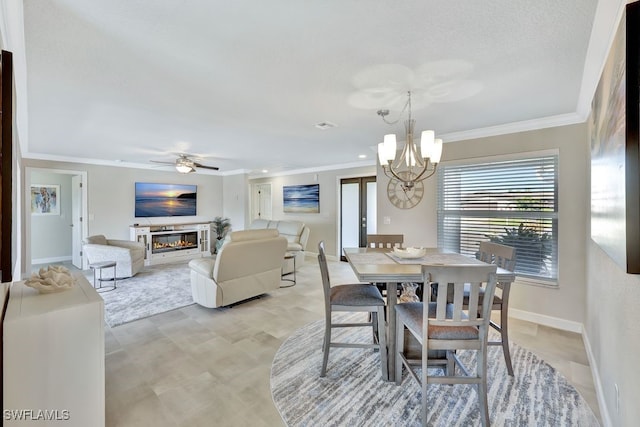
pixel 172 242
pixel 54 357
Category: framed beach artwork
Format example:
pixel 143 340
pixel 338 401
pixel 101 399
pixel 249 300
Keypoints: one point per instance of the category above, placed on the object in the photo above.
pixel 615 148
pixel 301 198
pixel 45 199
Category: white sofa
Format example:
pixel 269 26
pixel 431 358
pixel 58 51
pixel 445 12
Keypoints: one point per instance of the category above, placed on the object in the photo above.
pixel 297 234
pixel 249 264
pixel 128 255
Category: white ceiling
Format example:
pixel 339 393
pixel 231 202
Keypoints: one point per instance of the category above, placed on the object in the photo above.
pixel 243 83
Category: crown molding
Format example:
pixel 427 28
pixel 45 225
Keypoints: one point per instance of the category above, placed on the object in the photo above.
pixel 515 127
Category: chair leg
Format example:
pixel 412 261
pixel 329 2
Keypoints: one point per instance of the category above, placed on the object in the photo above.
pixel 382 342
pixel 399 349
pixel 326 345
pixel 482 386
pixel 373 318
pixel 504 332
pixel 424 383
pixel 451 363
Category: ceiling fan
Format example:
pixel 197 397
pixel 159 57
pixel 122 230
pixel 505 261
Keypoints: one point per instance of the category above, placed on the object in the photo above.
pixel 185 164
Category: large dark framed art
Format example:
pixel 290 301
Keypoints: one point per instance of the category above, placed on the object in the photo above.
pixel 615 148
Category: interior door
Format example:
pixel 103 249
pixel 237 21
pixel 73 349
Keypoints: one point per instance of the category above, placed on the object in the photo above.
pixel 262 208
pixel 76 221
pixel 358 203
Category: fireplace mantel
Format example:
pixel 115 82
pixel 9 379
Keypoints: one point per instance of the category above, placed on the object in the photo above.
pixel 173 242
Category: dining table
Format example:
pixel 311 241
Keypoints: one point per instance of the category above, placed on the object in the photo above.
pixel 381 265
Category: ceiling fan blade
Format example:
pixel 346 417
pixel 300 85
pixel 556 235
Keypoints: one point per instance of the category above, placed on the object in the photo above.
pixel 162 163
pixel 199 165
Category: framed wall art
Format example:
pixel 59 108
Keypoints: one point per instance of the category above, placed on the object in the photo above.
pixel 45 199
pixel 301 198
pixel 615 148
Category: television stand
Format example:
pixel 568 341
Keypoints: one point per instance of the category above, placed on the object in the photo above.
pixel 173 242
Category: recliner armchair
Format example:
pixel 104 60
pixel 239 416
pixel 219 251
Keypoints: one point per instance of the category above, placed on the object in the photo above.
pixel 248 265
pixel 128 255
pixel 297 235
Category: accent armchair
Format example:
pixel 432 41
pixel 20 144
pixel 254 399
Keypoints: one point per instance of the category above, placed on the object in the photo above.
pixel 128 255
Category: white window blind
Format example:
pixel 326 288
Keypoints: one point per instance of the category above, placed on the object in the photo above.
pixel 512 202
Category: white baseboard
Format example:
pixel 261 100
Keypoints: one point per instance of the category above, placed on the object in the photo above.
pixel 571 326
pixel 541 319
pixel 51 260
pixel 597 383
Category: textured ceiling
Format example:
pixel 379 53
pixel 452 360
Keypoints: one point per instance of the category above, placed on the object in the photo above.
pixel 243 83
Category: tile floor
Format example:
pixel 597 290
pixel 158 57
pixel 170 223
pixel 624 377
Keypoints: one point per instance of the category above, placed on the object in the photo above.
pixel 201 367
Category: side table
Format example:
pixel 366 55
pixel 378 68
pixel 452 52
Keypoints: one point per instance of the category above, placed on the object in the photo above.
pixel 288 256
pixel 100 266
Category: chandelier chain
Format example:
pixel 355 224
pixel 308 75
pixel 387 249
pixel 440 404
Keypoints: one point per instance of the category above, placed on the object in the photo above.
pixel 383 113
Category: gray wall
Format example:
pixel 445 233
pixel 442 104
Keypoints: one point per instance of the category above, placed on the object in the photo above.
pixel 567 301
pixel 613 332
pixel 324 225
pixel 51 234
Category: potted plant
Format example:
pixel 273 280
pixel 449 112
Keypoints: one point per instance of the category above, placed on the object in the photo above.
pixel 533 248
pixel 221 226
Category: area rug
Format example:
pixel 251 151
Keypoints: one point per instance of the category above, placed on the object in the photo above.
pixel 353 393
pixel 155 289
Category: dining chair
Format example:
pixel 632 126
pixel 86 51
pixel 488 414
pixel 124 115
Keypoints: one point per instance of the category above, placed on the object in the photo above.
pixel 504 257
pixel 385 240
pixel 388 241
pixel 442 326
pixel 352 298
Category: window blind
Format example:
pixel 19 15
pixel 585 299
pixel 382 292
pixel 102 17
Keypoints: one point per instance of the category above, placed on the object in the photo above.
pixel 512 202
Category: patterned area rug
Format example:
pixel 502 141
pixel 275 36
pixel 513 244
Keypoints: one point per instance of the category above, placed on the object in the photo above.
pixel 354 394
pixel 155 289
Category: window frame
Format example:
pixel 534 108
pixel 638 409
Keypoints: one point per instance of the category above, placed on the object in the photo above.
pixel 553 216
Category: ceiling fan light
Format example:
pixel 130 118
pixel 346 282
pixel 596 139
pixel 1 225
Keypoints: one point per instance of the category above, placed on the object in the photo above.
pixel 182 168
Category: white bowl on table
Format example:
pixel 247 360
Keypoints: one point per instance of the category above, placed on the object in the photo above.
pixel 409 253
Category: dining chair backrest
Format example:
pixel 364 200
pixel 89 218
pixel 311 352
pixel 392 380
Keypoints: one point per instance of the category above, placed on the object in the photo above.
pixel 385 240
pixel 324 272
pixel 494 253
pixel 450 307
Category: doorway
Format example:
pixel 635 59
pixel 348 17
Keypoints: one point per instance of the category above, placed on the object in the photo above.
pixel 261 201
pixel 358 207
pixel 56 236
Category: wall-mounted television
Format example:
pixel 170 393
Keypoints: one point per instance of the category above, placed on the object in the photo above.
pixel 156 200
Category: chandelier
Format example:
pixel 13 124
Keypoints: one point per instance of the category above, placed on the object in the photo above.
pixel 414 164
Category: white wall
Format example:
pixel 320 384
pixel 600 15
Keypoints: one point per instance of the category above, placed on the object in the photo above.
pixel 235 200
pixel 51 234
pixel 111 196
pixel 419 225
pixel 324 225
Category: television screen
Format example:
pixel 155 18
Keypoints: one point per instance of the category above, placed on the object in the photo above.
pixel 165 200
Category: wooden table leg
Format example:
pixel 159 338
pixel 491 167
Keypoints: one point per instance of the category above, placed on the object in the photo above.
pixel 392 296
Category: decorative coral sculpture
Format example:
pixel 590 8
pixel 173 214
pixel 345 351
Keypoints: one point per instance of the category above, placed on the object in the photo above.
pixel 54 278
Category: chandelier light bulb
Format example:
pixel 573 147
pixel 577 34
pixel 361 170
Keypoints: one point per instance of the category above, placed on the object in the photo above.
pixel 437 151
pixel 427 141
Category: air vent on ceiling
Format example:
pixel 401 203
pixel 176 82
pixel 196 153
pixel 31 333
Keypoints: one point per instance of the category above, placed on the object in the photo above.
pixel 325 125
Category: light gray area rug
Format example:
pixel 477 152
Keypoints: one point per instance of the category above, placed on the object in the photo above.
pixel 353 393
pixel 155 289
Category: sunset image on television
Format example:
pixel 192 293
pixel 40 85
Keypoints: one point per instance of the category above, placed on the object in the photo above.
pixel 155 200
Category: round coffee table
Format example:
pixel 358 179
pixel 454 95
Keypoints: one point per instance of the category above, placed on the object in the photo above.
pixel 288 256
pixel 99 266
